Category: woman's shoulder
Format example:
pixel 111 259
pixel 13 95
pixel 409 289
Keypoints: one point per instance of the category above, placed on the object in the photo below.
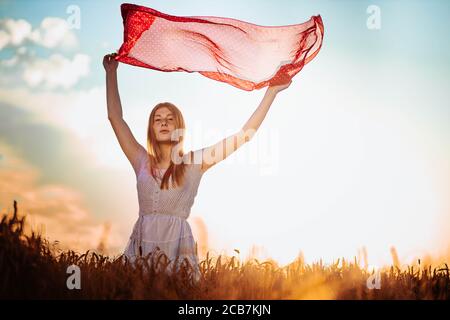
pixel 142 153
pixel 193 161
pixel 193 157
pixel 140 158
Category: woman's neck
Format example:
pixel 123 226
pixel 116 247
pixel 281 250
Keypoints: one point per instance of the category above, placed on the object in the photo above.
pixel 166 150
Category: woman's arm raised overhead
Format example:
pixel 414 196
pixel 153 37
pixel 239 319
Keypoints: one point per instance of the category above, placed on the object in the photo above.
pixel 222 149
pixel 123 133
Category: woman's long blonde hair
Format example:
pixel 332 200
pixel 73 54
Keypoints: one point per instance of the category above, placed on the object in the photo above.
pixel 176 171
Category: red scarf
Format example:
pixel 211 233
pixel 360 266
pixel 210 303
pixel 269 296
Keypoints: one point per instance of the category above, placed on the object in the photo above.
pixel 242 54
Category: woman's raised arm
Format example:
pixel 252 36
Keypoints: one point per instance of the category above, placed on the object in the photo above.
pixel 123 133
pixel 222 149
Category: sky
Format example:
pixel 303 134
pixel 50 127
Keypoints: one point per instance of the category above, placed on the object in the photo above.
pixel 354 154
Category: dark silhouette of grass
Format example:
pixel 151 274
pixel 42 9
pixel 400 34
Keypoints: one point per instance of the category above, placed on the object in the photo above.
pixel 30 269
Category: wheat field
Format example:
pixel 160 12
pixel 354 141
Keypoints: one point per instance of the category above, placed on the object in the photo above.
pixel 31 270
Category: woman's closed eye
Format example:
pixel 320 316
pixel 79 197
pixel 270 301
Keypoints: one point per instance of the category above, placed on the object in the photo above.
pixel 159 120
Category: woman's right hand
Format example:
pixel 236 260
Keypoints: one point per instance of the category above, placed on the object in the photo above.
pixel 109 63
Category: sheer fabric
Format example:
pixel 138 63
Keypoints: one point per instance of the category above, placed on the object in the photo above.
pixel 239 53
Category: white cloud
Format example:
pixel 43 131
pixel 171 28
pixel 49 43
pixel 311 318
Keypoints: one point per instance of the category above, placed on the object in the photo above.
pixel 56 71
pixel 53 32
pixel 4 39
pixel 13 32
pixel 51 71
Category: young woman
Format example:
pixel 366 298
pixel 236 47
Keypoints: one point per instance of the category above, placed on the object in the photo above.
pixel 168 178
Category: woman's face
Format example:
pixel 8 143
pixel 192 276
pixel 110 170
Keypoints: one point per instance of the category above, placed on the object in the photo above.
pixel 163 124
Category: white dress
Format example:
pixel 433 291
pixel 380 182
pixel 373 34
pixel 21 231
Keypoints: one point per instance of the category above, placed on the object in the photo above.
pixel 162 215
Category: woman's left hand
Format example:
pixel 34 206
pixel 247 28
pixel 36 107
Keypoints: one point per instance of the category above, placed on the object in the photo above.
pixel 280 87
